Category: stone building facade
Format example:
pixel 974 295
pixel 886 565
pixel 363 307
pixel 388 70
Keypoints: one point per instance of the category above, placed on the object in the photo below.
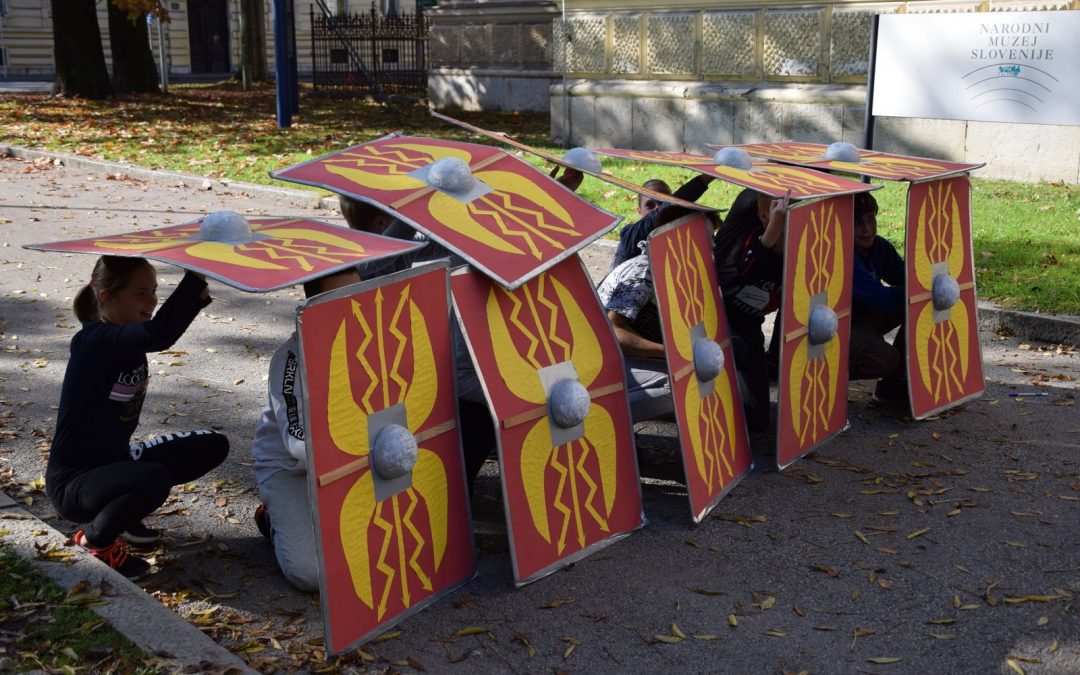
pixel 636 75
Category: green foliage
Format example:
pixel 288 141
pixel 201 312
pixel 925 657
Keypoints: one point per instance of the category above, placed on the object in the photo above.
pixel 1026 237
pixel 46 629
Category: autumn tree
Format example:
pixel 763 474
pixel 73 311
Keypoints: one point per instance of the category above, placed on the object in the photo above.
pixel 78 56
pixel 253 41
pixel 129 42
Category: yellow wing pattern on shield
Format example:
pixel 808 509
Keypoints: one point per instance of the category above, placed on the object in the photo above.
pixel 516 217
pixel 819 266
pixel 710 420
pixel 939 247
pixel 408 552
pixel 527 338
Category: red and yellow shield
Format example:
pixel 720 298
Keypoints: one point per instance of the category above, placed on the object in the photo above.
pixel 378 362
pixel 509 219
pixel 816 324
pixel 944 357
pixel 570 485
pixel 871 162
pixel 775 180
pixel 708 410
pixel 555 159
pixel 275 253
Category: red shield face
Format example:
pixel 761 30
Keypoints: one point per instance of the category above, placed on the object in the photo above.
pixel 276 253
pixel 944 358
pixel 502 215
pixel 708 410
pixel 817 293
pixel 555 159
pixel 775 180
pixel 570 485
pixel 871 162
pixel 378 363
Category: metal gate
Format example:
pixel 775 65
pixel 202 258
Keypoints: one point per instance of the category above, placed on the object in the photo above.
pixel 392 50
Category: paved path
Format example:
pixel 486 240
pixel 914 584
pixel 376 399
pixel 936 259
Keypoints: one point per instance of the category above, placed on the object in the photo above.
pixel 950 544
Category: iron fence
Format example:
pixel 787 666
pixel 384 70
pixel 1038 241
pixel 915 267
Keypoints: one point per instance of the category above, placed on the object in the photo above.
pixel 392 50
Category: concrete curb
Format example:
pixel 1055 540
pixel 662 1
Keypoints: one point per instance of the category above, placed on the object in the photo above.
pixel 176 644
pixel 1058 329
pixel 1061 329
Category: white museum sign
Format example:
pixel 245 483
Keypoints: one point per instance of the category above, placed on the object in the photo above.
pixel 987 66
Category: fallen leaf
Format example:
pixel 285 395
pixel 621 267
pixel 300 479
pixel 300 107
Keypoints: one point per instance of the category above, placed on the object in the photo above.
pixel 670 639
pixel 555 604
pixel 918 533
pixel 471 630
pixel 706 591
pixel 884 659
pixel 732 620
pixel 1015 666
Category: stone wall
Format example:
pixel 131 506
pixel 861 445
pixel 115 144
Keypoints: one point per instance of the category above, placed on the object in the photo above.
pixel 492 55
pixel 680 74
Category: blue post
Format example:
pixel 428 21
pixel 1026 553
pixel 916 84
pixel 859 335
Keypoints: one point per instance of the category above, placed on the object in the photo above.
pixel 282 70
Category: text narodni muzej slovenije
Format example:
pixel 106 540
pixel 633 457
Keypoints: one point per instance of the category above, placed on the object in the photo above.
pixel 1014 41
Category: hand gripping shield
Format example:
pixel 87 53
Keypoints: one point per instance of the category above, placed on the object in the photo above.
pixel 257 254
pixel 708 409
pixel 944 358
pixel 816 324
pixel 553 374
pixel 385 469
pixel 503 215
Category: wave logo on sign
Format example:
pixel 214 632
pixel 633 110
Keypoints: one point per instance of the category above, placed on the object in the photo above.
pixel 1009 84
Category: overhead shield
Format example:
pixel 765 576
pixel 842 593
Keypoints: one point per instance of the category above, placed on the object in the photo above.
pixel 773 179
pixel 252 254
pixel 869 162
pixel 816 324
pixel 942 331
pixel 385 468
pixel 560 161
pixel 553 374
pixel 500 213
pixel 708 409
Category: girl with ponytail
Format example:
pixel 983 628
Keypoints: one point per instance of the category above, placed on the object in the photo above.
pixel 96 475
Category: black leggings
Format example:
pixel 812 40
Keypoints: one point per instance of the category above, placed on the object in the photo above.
pixel 113 497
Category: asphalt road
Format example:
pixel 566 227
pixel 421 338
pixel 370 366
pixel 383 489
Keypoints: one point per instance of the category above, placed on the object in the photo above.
pixel 943 546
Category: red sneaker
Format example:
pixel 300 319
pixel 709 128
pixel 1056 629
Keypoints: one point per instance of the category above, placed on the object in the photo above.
pixel 116 556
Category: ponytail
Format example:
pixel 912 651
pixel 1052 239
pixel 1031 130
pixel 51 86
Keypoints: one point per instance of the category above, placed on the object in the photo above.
pixel 86 305
pixel 111 273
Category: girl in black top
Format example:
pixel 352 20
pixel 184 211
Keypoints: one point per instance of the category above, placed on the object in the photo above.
pixel 95 474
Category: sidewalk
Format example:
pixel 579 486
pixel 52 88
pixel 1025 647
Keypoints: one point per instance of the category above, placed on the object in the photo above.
pixel 949 544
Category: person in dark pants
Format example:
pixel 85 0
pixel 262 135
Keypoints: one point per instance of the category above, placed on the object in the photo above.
pixel 748 250
pixel 95 474
pixel 877 301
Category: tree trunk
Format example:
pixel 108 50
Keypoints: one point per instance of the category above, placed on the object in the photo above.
pixel 134 69
pixel 253 41
pixel 77 53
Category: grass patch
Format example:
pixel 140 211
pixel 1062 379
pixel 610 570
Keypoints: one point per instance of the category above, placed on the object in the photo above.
pixel 46 629
pixel 1026 236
